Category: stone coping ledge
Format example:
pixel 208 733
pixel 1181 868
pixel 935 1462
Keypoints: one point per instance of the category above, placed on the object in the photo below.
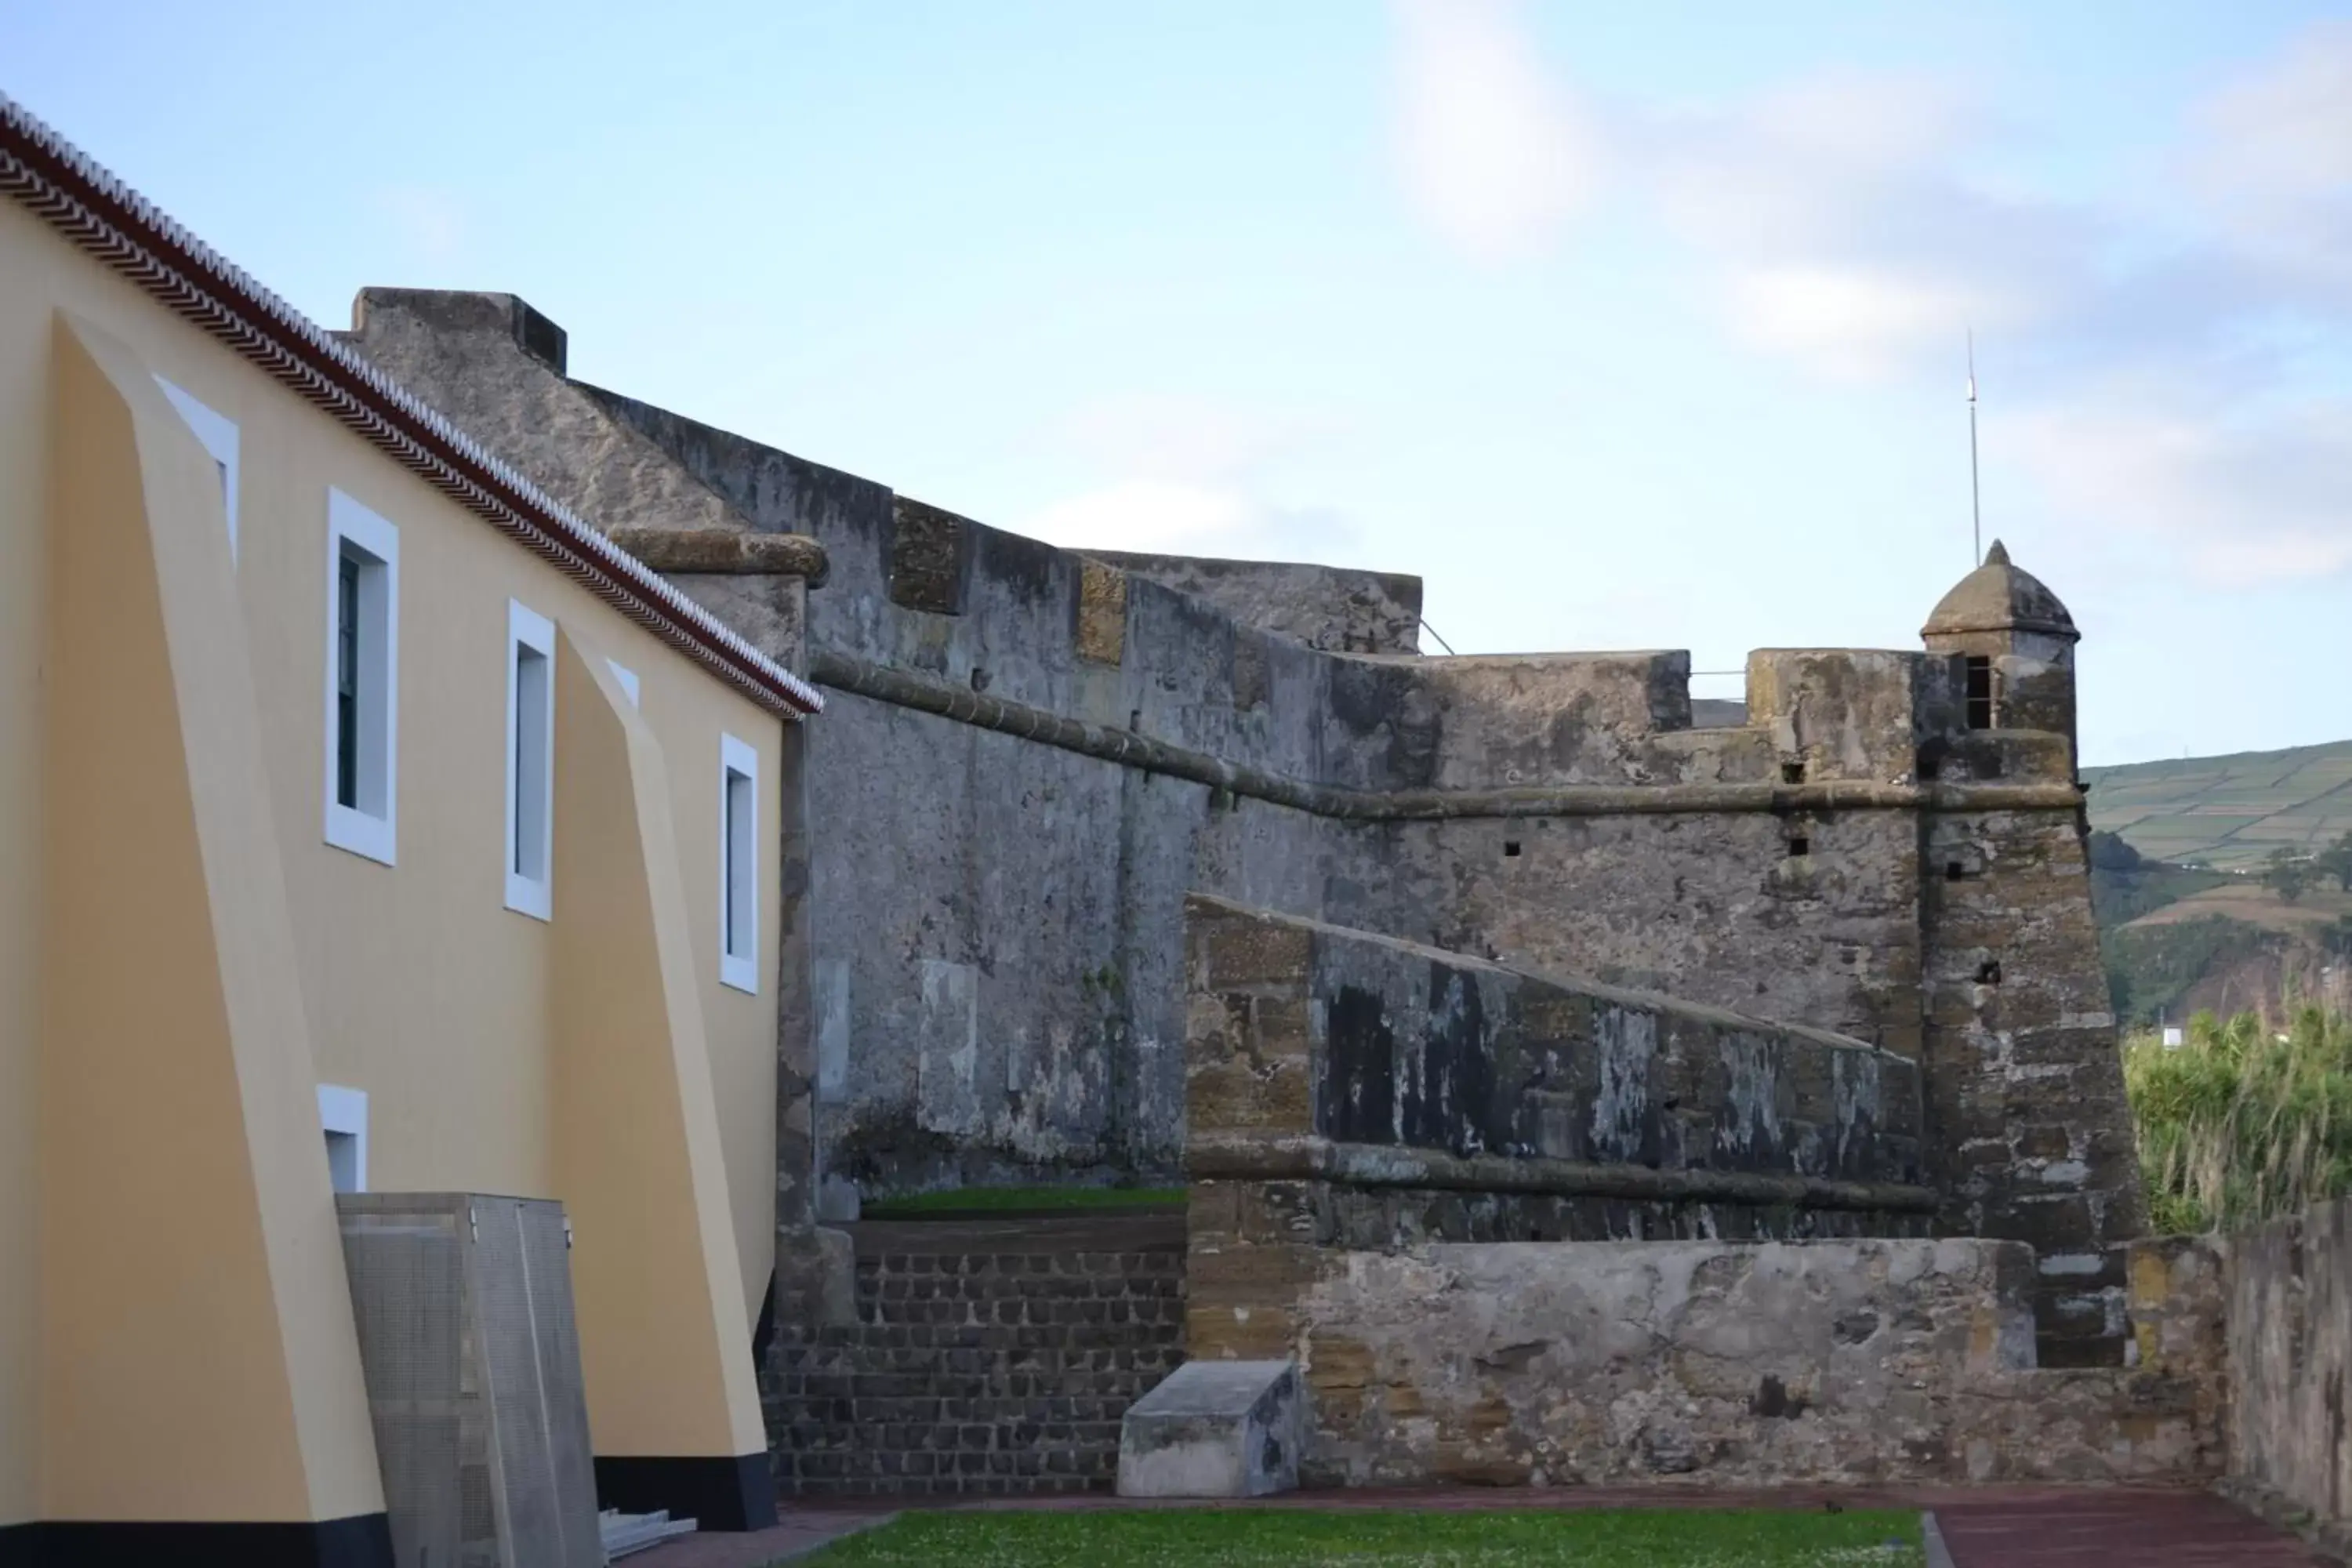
pixel 1161 1232
pixel 726 552
pixel 1247 1158
pixel 902 689
pixel 1706 1012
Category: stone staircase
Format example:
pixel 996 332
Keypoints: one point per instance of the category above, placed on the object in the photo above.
pixel 987 1358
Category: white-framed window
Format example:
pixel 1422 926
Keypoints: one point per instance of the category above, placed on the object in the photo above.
pixel 739 865
pixel 531 761
pixel 343 1113
pixel 627 678
pixel 218 435
pixel 362 678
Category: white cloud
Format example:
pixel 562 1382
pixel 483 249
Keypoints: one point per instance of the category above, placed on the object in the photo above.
pixel 1495 155
pixel 1855 323
pixel 1863 120
pixel 2240 503
pixel 2288 127
pixel 1142 514
pixel 1841 232
pixel 1841 222
pixel 1186 475
pixel 2272 158
pixel 1168 437
pixel 1162 517
pixel 1838 235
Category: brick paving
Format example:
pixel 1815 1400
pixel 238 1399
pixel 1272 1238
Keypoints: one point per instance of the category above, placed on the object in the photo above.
pixel 2099 1528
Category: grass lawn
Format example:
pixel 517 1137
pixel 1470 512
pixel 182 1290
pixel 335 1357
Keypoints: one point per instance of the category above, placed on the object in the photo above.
pixel 981 1202
pixel 1201 1538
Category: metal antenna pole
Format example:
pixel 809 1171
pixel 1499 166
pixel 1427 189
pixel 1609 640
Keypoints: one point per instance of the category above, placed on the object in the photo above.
pixel 1976 505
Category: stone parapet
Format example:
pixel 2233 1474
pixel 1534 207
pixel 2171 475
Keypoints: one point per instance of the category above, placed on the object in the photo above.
pixel 1337 608
pixel 1315 1052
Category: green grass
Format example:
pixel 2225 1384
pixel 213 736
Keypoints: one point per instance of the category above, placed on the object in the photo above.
pixel 1208 1538
pixel 2152 969
pixel 985 1201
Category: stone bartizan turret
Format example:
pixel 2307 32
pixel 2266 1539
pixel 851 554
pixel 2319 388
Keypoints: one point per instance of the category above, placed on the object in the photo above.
pixel 2018 642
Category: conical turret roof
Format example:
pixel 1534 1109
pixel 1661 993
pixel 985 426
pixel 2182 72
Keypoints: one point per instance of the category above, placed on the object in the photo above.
pixel 2000 597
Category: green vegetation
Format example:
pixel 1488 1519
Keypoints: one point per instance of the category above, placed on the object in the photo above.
pixel 2152 968
pixel 1200 1537
pixel 2125 884
pixel 958 1203
pixel 2288 873
pixel 2336 861
pixel 2228 812
pixel 2239 1125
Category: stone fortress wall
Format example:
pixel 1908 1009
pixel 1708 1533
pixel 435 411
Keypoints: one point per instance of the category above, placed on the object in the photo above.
pixel 1031 755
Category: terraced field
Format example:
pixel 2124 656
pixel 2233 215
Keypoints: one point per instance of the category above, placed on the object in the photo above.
pixel 2228 813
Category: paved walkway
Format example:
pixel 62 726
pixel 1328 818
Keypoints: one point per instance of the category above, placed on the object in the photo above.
pixel 2097 1529
pixel 799 1533
pixel 1988 1526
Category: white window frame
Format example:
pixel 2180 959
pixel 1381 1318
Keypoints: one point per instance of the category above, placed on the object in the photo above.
pixel 626 677
pixel 216 434
pixel 526 894
pixel 352 526
pixel 738 868
pixel 344 1112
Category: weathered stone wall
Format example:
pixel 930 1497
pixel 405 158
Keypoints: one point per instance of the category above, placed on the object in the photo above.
pixel 994 977
pixel 1031 755
pixel 1334 607
pixel 2290 1335
pixel 2026 1106
pixel 989 983
pixel 1370 1058
pixel 1810 915
pixel 1849 1362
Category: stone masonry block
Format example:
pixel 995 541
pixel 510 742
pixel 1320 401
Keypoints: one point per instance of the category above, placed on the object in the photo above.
pixel 931 558
pixel 1248 954
pixel 1216 1429
pixel 1102 612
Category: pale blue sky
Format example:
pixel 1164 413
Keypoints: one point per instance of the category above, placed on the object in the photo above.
pixel 1625 326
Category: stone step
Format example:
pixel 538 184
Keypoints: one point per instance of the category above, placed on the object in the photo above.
pixel 625 1534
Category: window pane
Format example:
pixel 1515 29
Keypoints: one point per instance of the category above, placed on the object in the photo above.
pixel 346 684
pixel 740 874
pixel 530 763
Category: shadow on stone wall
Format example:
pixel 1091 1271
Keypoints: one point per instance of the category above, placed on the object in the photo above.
pixel 2290 1358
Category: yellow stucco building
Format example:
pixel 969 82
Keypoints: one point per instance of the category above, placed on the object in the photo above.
pixel 366 821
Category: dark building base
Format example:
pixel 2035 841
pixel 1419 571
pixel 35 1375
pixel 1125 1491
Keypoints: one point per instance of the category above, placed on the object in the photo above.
pixel 364 1541
pixel 716 1494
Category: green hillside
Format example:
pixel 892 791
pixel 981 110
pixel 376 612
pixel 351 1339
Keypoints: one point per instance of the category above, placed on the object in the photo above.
pixel 2228 813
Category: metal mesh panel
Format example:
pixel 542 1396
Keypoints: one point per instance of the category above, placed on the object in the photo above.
pixel 510 1353
pixel 546 1256
pixel 466 1338
pixel 407 1273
